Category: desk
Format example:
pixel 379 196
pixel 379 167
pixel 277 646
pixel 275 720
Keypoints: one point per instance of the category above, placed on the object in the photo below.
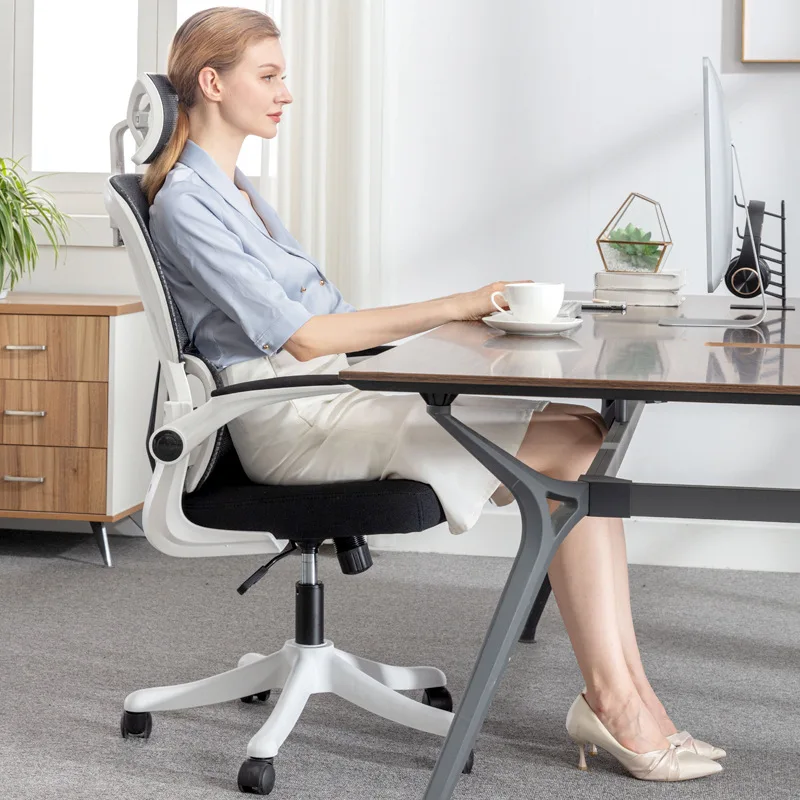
pixel 627 361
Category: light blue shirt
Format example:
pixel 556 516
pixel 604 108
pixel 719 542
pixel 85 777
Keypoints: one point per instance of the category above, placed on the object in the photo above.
pixel 242 292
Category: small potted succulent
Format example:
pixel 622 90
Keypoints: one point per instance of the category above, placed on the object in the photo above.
pixel 637 238
pixel 634 245
pixel 22 206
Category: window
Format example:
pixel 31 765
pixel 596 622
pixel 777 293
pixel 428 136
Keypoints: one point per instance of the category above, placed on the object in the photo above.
pixel 66 72
pixel 74 102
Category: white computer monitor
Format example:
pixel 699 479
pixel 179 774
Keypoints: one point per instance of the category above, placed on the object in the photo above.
pixel 720 164
pixel 719 177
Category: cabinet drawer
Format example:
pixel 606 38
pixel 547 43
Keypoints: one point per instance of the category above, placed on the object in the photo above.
pixel 56 413
pixel 53 348
pixel 68 479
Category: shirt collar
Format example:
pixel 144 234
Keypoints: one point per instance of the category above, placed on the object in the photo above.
pixel 197 159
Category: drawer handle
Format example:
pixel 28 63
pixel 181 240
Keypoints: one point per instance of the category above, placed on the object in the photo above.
pixel 17 479
pixel 10 413
pixel 26 347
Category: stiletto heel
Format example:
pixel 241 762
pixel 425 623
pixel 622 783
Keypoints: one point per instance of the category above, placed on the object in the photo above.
pixel 582 759
pixel 674 763
pixel 592 749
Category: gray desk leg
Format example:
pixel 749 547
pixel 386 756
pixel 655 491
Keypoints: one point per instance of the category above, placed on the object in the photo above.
pixel 541 536
pixel 101 537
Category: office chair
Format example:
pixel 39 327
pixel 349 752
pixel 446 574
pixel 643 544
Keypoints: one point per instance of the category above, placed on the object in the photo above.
pixel 200 502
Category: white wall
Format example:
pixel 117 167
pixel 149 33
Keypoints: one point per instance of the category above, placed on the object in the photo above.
pixel 93 270
pixel 515 131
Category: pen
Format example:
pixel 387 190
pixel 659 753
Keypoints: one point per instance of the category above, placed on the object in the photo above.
pixel 591 306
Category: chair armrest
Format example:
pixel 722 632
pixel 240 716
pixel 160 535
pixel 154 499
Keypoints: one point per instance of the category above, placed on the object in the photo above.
pixel 174 441
pixel 371 351
pixel 288 382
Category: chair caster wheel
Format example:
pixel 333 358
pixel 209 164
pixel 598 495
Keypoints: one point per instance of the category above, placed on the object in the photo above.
pixel 438 697
pixel 251 698
pixel 135 723
pixel 256 776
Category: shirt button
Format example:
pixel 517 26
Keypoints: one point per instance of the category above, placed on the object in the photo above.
pixel 302 288
pixel 322 283
pixel 265 347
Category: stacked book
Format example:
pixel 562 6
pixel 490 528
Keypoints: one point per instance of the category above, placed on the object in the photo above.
pixel 639 288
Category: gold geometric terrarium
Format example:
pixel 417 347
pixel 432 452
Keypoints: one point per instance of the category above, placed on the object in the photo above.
pixel 637 238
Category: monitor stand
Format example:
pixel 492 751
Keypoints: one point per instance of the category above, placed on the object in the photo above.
pixel 688 322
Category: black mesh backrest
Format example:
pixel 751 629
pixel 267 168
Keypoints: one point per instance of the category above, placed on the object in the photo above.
pixel 129 187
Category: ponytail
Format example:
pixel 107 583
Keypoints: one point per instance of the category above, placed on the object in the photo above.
pixel 157 171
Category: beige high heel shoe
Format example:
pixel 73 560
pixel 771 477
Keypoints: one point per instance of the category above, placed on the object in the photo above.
pixel 671 764
pixel 682 739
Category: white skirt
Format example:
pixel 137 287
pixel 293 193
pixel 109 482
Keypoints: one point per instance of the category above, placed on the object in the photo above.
pixel 363 435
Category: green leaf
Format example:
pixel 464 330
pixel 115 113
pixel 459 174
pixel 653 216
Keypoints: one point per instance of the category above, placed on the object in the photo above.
pixel 22 206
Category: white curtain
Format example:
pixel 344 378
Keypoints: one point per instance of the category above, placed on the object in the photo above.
pixel 328 186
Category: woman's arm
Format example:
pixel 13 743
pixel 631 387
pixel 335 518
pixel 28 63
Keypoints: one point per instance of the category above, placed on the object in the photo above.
pixel 325 334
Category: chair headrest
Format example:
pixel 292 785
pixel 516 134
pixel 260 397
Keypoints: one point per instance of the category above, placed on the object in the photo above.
pixel 152 115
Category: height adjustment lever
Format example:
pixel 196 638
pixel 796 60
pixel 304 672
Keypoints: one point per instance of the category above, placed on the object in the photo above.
pixel 262 571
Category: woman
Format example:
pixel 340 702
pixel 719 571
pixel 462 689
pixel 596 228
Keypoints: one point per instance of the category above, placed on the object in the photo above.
pixel 257 306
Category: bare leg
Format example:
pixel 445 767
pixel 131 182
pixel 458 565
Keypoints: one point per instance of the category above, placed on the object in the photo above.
pixel 562 442
pixel 626 631
pixel 624 614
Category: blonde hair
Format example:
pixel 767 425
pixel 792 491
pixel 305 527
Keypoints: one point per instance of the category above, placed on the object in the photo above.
pixel 215 37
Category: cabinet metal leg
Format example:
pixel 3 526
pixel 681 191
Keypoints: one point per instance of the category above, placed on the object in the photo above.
pixel 101 537
pixel 541 537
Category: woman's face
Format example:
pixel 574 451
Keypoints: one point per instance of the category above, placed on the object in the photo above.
pixel 253 92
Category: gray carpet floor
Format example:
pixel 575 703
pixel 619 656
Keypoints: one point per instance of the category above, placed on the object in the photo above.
pixel 721 649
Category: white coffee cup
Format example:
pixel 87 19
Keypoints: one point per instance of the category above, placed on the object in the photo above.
pixel 532 302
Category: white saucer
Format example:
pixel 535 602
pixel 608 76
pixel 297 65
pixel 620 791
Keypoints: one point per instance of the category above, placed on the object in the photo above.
pixel 503 321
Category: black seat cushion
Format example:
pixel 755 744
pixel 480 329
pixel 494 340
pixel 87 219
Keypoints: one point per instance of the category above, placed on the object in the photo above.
pixel 229 499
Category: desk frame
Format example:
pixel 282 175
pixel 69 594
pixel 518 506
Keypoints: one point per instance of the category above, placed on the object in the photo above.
pixel 598 493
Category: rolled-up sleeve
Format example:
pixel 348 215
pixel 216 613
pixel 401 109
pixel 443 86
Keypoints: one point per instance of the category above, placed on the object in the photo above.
pixel 211 257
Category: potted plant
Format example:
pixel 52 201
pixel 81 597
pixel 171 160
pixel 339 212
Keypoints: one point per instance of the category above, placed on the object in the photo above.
pixel 637 238
pixel 20 207
pixel 634 245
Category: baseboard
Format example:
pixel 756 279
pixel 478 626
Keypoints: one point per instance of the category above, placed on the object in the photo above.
pixel 766 547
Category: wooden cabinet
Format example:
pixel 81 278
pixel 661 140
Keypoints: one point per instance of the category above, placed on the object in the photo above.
pixel 76 382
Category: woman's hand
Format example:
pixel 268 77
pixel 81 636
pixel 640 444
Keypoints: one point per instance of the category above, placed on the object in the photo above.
pixel 478 304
